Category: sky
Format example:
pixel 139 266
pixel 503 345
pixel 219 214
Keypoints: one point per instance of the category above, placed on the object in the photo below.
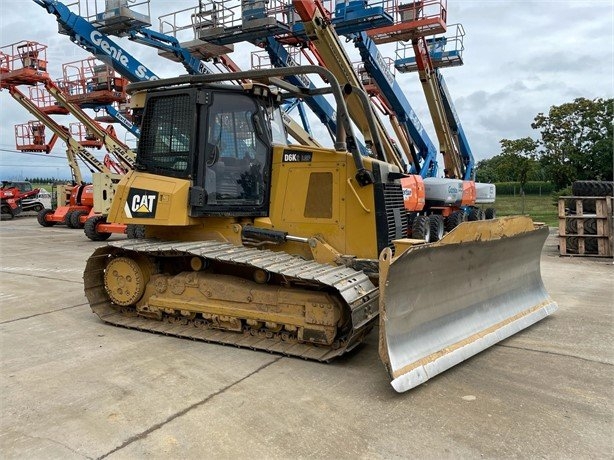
pixel 520 58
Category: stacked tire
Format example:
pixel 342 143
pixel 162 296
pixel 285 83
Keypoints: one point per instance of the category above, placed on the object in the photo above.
pixel 590 188
pixel 586 188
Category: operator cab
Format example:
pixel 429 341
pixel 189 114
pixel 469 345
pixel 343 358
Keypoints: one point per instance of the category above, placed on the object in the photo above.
pixel 220 137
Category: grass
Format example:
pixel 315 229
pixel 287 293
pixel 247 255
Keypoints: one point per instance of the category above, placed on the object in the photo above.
pixel 45 186
pixel 540 208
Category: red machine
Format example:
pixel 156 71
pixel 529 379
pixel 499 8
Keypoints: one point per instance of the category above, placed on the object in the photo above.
pixel 17 197
pixel 78 205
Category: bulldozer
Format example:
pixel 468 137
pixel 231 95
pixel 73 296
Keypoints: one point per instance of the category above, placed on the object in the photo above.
pixel 294 249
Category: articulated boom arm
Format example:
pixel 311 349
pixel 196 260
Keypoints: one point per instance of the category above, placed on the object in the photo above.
pixel 170 44
pixel 447 143
pixel 100 45
pixel 73 149
pixel 114 146
pixel 121 118
pixel 456 127
pixel 398 103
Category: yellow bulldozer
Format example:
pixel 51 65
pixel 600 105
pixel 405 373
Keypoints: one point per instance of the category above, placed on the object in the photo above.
pixel 298 249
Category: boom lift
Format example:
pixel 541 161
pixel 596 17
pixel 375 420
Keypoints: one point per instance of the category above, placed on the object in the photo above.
pixel 91 84
pixel 94 223
pixel 224 208
pixel 27 65
pixel 429 56
pixel 80 197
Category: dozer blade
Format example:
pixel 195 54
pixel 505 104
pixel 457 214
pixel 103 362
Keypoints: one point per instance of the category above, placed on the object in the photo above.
pixel 444 302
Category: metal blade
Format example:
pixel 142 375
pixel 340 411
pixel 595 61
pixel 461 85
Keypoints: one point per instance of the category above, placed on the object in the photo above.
pixel 443 303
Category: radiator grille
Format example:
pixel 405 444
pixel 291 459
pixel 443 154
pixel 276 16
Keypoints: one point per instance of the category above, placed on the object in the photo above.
pixel 391 214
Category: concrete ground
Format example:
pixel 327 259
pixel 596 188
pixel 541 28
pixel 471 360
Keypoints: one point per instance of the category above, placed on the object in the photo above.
pixel 73 387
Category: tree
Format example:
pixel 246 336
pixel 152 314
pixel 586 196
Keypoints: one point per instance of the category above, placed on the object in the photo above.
pixel 576 141
pixel 520 155
pixel 516 163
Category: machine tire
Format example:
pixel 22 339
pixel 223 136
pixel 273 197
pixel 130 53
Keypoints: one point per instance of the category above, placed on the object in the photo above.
pixel 135 232
pixel 421 229
pixel 454 220
pixel 6 212
pixel 590 226
pixel 90 229
pixel 593 188
pixel 75 219
pixel 475 214
pixel 68 220
pixel 490 213
pixel 436 227
pixel 572 244
pixel 41 218
pixel 571 226
pixel 37 207
pixel 588 206
pixel 591 246
pixel 411 217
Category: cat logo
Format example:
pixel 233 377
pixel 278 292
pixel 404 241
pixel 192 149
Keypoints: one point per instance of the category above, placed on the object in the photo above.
pixel 141 203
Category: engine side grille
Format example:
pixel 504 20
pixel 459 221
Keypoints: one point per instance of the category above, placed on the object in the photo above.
pixel 390 215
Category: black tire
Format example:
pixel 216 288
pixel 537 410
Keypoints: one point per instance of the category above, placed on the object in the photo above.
pixel 37 207
pixel 91 231
pixel 593 188
pixel 68 220
pixel 571 226
pixel 591 246
pixel 135 232
pixel 572 244
pixel 41 217
pixel 436 227
pixel 421 229
pixel 475 214
pixel 454 220
pixel 490 213
pixel 6 212
pixel 75 219
pixel 588 206
pixel 590 226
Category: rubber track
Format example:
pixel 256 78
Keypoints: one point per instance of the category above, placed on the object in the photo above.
pixel 354 287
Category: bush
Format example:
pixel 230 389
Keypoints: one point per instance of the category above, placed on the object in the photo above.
pixel 530 188
pixel 563 192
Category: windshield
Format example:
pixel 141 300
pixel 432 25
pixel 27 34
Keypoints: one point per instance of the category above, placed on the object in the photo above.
pixel 237 156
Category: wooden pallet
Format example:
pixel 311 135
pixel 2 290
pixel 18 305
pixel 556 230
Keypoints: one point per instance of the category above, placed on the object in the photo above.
pixel 580 242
